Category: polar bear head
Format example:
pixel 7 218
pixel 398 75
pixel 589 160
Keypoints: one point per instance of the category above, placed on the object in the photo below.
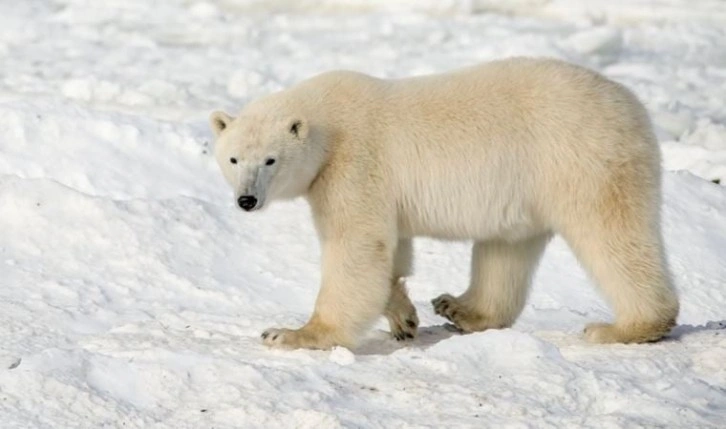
pixel 265 155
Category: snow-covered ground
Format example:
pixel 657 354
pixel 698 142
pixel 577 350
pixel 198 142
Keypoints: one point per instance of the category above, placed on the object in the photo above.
pixel 133 293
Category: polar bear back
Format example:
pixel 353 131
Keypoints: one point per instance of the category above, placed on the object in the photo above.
pixel 504 149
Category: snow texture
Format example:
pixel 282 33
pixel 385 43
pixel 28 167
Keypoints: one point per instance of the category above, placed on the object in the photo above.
pixel 133 293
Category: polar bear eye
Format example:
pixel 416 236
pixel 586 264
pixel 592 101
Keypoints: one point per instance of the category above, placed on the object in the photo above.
pixel 270 161
pixel 233 160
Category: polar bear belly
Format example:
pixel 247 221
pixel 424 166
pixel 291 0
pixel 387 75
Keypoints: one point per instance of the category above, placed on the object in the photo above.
pixel 466 212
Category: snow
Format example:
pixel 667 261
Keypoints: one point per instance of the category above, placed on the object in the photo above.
pixel 133 293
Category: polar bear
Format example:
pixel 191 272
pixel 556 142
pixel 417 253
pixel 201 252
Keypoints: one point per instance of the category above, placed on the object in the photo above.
pixel 505 154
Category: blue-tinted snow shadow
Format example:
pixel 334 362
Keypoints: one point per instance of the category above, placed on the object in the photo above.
pixel 382 343
pixel 683 330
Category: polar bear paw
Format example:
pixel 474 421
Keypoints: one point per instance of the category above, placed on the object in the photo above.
pixel 277 337
pixel 401 313
pixel 606 333
pixel 462 316
pixel 447 306
pixel 306 337
pixel 403 324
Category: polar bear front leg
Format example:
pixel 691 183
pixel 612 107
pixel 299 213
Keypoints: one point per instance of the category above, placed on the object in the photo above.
pixel 400 312
pixel 356 284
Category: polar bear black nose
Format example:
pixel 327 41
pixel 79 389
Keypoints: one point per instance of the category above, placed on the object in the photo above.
pixel 247 202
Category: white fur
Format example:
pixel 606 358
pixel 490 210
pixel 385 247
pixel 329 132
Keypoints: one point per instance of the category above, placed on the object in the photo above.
pixel 505 153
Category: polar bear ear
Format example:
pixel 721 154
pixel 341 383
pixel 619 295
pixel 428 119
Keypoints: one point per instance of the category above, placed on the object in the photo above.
pixel 298 127
pixel 219 121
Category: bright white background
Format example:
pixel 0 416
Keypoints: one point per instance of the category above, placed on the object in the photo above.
pixel 133 292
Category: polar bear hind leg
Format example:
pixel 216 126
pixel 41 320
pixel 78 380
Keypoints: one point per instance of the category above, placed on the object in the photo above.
pixel 628 265
pixel 617 239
